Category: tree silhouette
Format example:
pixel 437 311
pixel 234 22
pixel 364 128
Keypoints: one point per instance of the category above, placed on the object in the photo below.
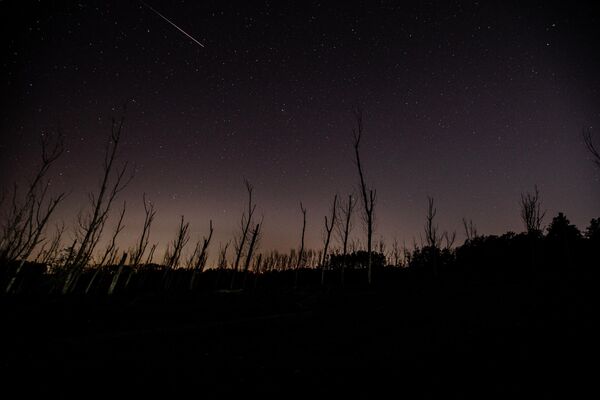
pixel 344 227
pixel 368 195
pixel 91 224
pixel 561 229
pixel 175 248
pixel 328 229
pixel 301 252
pixel 25 222
pixel 138 252
pixel 532 214
pixel 200 255
pixel 242 236
pixel 589 144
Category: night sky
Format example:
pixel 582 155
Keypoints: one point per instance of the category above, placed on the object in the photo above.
pixel 468 102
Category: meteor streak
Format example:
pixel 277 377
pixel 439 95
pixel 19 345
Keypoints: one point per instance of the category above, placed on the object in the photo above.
pixel 169 21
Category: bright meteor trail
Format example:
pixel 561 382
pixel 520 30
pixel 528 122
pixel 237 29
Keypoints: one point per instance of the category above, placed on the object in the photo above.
pixel 169 21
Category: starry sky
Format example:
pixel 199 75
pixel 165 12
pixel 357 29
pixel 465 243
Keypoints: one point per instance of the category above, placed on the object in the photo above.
pixel 469 102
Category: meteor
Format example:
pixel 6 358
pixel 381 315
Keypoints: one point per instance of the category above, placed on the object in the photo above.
pixel 169 21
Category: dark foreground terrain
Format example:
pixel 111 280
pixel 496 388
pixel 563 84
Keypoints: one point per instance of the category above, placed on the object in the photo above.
pixel 427 336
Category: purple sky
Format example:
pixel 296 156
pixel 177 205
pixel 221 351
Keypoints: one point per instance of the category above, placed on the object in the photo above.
pixel 469 103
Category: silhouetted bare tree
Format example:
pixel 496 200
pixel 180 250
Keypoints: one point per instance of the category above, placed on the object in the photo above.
pixel 368 195
pixel 111 251
pixel 328 229
pixel 173 252
pixel 242 236
pixel 253 244
pixel 91 225
pixel 532 214
pixel 344 227
pixel 25 222
pixel 199 257
pixel 301 252
pixel 470 229
pixel 432 236
pixel 138 252
pixel 589 143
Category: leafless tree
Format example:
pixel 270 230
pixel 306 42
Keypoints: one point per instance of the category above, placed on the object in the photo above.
pixel 432 236
pixel 532 214
pixel 470 229
pixel 343 229
pixel 242 236
pixel 222 263
pixel 112 249
pixel 368 195
pixel 253 244
pixel 91 224
pixel 329 224
pixel 589 144
pixel 25 222
pixel 301 252
pixel 151 254
pixel 344 223
pixel 199 262
pixel 138 252
pixel 173 252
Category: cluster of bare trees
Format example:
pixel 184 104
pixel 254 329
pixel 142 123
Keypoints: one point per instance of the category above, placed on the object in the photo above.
pixel 27 217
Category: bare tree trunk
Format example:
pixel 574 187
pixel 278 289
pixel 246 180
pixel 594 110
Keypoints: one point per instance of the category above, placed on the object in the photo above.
pixel 91 226
pixel 328 228
pixel 173 252
pixel 201 260
pixel 301 253
pixel 240 241
pixel 344 226
pixel 368 200
pixel 253 241
pixel 138 252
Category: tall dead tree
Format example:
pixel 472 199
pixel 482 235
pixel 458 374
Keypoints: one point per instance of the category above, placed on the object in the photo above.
pixel 301 252
pixel 328 229
pixel 368 195
pixel 253 244
pixel 432 236
pixel 112 249
pixel 242 237
pixel 91 224
pixel 173 252
pixel 532 214
pixel 343 229
pixel 199 262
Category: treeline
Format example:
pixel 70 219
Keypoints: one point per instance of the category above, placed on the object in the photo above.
pixel 30 262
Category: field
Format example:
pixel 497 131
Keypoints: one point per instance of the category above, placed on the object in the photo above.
pixel 411 334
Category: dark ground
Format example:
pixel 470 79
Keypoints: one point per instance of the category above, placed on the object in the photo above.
pixel 423 337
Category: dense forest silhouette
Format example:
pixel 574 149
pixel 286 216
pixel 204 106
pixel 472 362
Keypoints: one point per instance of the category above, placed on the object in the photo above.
pixel 497 302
